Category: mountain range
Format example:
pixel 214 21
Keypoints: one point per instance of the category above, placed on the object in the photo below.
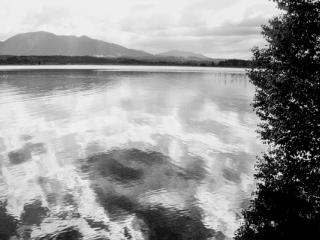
pixel 183 54
pixel 46 44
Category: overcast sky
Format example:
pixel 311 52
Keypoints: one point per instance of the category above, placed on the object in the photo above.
pixel 216 28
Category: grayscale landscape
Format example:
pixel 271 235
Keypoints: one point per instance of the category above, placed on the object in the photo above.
pixel 159 120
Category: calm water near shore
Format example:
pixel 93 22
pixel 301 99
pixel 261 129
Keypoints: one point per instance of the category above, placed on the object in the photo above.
pixel 125 152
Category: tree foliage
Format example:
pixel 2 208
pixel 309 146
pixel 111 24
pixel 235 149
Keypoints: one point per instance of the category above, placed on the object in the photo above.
pixel 161 61
pixel 286 74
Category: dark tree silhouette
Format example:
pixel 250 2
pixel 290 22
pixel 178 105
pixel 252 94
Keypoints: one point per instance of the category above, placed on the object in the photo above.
pixel 286 74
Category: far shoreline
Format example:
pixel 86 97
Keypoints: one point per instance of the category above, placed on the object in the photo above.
pixel 9 60
pixel 118 67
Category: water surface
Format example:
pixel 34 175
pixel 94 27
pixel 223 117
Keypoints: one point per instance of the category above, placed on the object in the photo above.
pixel 118 152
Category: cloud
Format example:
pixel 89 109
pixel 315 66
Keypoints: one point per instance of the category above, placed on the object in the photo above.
pixel 151 25
pixel 213 46
pixel 46 16
pixel 246 27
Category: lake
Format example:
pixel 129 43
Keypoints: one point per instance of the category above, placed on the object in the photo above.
pixel 125 152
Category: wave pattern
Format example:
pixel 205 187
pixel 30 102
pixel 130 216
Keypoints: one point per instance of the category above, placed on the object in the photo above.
pixel 88 154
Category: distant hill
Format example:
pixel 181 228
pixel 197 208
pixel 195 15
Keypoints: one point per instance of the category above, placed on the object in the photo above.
pixel 45 44
pixel 48 48
pixel 183 54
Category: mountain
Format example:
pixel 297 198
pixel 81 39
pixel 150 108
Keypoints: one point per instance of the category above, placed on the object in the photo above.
pixel 183 54
pixel 45 43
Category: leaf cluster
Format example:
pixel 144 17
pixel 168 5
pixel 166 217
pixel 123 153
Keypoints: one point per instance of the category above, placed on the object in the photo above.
pixel 286 204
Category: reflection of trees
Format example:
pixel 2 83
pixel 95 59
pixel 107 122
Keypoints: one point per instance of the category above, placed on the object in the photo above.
pixel 121 177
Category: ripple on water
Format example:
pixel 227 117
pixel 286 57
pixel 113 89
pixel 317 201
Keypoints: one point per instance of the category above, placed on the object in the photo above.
pixel 137 153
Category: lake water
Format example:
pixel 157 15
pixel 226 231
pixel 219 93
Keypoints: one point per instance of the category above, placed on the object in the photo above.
pixel 124 152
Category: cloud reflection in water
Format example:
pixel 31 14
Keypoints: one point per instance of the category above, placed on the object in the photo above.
pixel 113 154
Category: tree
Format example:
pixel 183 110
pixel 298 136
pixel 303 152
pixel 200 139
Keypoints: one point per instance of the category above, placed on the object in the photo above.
pixel 286 203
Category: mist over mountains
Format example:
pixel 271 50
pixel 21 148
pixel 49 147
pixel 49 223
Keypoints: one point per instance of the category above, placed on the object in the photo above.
pixel 47 44
pixel 37 48
pixel 183 54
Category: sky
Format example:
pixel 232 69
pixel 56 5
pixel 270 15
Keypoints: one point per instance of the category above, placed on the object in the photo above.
pixel 215 28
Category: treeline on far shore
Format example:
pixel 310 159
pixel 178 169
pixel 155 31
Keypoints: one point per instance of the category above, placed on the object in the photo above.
pixel 62 60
